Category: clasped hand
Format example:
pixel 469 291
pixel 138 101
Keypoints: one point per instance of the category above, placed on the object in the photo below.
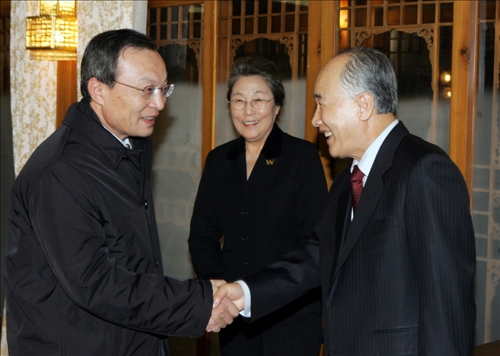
pixel 228 302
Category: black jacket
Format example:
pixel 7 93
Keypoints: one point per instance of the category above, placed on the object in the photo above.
pixel 260 220
pixel 83 266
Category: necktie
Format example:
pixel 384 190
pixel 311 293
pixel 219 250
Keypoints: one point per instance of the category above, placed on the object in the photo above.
pixel 356 186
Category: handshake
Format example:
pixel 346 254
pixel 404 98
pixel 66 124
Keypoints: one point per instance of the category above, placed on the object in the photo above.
pixel 229 300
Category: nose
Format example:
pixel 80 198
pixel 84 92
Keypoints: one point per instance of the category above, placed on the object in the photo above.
pixel 158 101
pixel 248 108
pixel 316 119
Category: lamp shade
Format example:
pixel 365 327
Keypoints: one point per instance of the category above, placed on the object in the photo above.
pixel 52 36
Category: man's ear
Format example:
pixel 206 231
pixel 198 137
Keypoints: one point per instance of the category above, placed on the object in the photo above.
pixel 95 88
pixel 366 105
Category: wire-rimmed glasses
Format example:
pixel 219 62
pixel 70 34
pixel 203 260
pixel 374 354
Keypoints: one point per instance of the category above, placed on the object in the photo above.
pixel 258 104
pixel 150 91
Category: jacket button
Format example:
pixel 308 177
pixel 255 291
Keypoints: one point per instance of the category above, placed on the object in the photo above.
pixel 244 213
pixel 244 263
pixel 126 158
pixel 244 238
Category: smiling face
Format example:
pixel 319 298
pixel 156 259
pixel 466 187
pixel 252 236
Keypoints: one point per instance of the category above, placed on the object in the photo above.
pixel 336 114
pixel 123 110
pixel 253 125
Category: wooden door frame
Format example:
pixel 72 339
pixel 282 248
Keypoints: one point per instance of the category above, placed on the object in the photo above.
pixel 464 72
pixel 209 77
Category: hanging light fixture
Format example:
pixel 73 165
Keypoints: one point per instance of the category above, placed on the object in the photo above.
pixel 53 35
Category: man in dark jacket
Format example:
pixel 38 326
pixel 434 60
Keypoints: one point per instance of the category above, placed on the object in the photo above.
pixel 83 267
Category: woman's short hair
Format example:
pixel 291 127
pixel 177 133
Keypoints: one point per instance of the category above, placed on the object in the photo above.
pixel 258 66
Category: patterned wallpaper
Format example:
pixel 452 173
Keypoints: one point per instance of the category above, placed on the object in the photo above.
pixel 33 83
pixel 33 89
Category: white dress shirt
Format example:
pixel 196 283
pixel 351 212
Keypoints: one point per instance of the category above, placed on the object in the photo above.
pixel 366 162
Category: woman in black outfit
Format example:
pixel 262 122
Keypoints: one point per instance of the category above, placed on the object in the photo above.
pixel 260 196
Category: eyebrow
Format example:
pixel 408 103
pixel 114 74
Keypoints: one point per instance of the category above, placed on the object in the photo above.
pixel 255 92
pixel 149 79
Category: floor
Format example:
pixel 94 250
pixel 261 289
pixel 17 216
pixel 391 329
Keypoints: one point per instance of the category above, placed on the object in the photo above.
pixel 187 347
pixel 489 349
pixel 184 346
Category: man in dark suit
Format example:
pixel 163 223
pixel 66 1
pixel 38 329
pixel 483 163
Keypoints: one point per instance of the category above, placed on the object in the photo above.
pixel 397 270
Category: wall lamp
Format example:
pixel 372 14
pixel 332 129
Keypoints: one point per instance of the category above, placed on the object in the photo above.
pixel 53 35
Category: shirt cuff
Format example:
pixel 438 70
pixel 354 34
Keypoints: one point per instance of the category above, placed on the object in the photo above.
pixel 247 311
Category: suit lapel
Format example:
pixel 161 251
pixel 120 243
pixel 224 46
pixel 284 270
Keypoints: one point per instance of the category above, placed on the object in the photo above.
pixel 235 161
pixel 268 156
pixel 372 192
pixel 367 205
pixel 235 164
pixel 342 222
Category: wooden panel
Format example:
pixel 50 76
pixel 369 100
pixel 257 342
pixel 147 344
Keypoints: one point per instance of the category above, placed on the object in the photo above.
pixel 66 88
pixel 164 3
pixel 313 67
pixel 463 86
pixel 329 25
pixel 208 70
pixel 5 8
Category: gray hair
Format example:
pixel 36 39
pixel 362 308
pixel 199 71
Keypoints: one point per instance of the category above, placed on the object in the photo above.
pixel 261 67
pixel 369 70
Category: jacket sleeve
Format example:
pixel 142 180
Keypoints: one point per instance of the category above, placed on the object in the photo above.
pixel 286 280
pixel 69 227
pixel 441 239
pixel 206 230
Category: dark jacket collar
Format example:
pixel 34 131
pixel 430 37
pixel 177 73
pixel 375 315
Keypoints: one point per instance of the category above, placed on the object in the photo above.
pixel 82 117
pixel 271 149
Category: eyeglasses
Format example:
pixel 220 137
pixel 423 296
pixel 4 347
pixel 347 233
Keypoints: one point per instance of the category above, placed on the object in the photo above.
pixel 150 92
pixel 257 104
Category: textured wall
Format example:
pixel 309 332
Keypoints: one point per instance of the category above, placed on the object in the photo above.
pixel 33 89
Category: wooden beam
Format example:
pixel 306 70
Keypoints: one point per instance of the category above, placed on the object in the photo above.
pixel 164 3
pixel 329 25
pixel 208 70
pixel 5 8
pixel 313 67
pixel 463 86
pixel 66 88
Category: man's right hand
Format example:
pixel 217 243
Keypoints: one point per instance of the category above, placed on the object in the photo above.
pixel 222 315
pixel 232 291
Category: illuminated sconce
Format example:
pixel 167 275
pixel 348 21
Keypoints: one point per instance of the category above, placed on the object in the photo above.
pixel 53 35
pixel 445 78
pixel 344 18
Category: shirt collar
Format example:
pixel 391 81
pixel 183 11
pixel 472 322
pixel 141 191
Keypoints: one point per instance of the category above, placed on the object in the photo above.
pixel 366 162
pixel 271 149
pixel 126 143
